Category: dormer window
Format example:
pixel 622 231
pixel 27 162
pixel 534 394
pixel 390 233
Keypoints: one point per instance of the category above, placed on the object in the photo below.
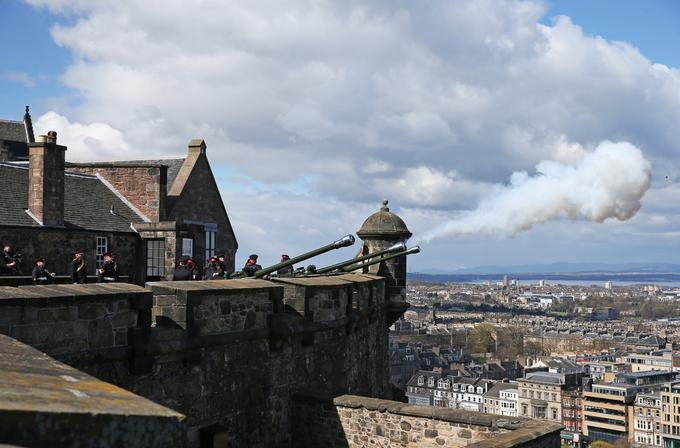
pixel 430 381
pixel 421 380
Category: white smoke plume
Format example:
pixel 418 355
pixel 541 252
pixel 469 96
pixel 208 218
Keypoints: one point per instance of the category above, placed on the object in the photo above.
pixel 608 182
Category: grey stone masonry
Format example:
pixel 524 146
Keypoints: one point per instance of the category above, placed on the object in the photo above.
pixel 354 421
pixel 75 320
pixel 46 403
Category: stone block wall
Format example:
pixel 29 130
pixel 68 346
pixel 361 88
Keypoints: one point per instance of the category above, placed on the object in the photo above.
pixel 354 421
pixel 45 403
pixel 75 321
pixel 227 354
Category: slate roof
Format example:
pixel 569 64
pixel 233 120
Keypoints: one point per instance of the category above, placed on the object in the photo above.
pixel 173 166
pixel 544 378
pixel 13 137
pixel 495 390
pixel 87 202
pixel 14 131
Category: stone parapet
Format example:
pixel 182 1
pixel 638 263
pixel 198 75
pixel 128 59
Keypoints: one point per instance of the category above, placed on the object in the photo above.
pixel 355 421
pixel 46 403
pixel 75 320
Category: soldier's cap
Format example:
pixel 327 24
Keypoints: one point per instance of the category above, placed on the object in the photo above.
pixel 253 256
pixel 108 254
pixel 221 256
pixel 213 259
pixel 79 251
pixel 285 256
pixel 40 260
pixel 184 259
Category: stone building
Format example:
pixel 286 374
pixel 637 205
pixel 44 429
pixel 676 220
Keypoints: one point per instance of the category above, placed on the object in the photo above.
pixel 501 399
pixel 647 419
pixel 148 212
pixel 540 394
pixel 15 137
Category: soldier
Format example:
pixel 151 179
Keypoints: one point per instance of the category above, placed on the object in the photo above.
pixel 11 266
pixel 108 271
pixel 182 272
pixel 286 271
pixel 222 263
pixel 41 276
pixel 79 268
pixel 193 267
pixel 213 271
pixel 251 265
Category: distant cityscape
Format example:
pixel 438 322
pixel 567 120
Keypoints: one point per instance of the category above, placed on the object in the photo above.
pixel 602 360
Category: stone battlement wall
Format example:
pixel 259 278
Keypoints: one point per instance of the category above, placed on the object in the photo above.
pixel 353 421
pixel 228 354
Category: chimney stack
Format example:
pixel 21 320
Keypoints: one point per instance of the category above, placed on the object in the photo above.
pixel 46 180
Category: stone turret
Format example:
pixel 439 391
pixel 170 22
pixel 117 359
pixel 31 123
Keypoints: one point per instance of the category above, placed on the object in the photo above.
pixel 381 230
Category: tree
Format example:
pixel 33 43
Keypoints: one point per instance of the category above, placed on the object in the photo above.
pixel 601 444
pixel 483 338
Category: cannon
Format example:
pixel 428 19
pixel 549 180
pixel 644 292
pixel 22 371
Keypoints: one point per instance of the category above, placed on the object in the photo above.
pixel 345 241
pixel 349 267
pixel 395 248
pixel 363 264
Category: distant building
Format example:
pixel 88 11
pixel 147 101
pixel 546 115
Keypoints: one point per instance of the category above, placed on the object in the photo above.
pixel 421 388
pixel 501 399
pixel 608 407
pixel 606 313
pixel 647 419
pixel 608 285
pixel 670 415
pixel 540 394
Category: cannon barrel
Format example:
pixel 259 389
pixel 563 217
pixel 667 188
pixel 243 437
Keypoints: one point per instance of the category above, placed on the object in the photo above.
pixel 362 264
pixel 345 241
pixel 394 248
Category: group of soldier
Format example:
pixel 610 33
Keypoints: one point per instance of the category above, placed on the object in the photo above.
pixel 216 269
pixel 107 272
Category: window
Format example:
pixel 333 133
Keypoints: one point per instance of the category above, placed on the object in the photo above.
pixel 188 247
pixel 209 244
pixel 102 248
pixel 155 258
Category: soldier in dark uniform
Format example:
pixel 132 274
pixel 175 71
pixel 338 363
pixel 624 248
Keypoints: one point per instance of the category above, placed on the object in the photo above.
pixel 251 265
pixel 288 270
pixel 108 271
pixel 79 268
pixel 11 265
pixel 222 263
pixel 213 271
pixel 41 276
pixel 193 267
pixel 182 272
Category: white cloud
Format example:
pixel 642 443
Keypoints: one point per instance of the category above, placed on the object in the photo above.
pixel 428 104
pixel 85 142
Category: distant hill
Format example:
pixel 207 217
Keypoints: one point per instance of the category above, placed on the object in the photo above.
pixel 566 268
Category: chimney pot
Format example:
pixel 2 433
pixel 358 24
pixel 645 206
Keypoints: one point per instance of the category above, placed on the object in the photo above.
pixel 42 139
pixel 52 137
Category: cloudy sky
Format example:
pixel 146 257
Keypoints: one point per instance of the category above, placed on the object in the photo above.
pixel 315 111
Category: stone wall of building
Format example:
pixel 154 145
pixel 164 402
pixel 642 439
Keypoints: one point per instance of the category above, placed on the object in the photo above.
pixel 58 246
pixel 228 354
pixel 200 201
pixel 144 186
pixel 353 421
